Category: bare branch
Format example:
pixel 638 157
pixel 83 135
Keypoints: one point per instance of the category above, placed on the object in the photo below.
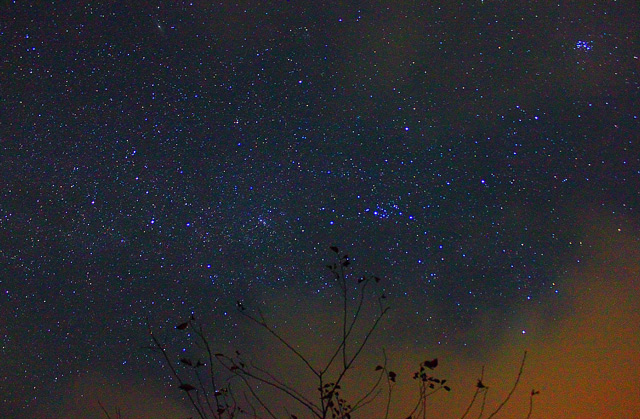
pixel 104 410
pixel 173 370
pixel 475 394
pixel 210 400
pixel 265 326
pixel 369 396
pixel 243 372
pixel 533 393
pixel 484 402
pixel 346 335
pixel 524 357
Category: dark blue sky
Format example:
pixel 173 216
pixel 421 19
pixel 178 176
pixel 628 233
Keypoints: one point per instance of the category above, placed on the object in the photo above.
pixel 158 159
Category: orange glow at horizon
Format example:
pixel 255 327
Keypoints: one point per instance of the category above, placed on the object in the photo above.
pixel 584 363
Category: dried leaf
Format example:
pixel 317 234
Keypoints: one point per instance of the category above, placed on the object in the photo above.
pixel 431 364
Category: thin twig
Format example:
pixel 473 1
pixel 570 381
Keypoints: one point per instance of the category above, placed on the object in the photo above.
pixel 356 315
pixel 363 400
pixel 262 323
pixel 361 347
pixel 344 315
pixel 205 342
pixel 484 402
pixel 524 357
pixel 257 397
pixel 173 370
pixel 204 391
pixel 420 397
pixel 533 393
pixel 280 383
pixel 104 410
pixel 242 373
pixel 473 400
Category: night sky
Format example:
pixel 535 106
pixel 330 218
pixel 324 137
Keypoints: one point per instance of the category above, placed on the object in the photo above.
pixel 159 159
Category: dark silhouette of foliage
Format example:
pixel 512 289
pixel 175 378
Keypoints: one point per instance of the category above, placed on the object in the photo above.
pixel 223 386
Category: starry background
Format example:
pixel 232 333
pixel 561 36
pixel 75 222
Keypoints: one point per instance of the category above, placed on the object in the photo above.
pixel 159 159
